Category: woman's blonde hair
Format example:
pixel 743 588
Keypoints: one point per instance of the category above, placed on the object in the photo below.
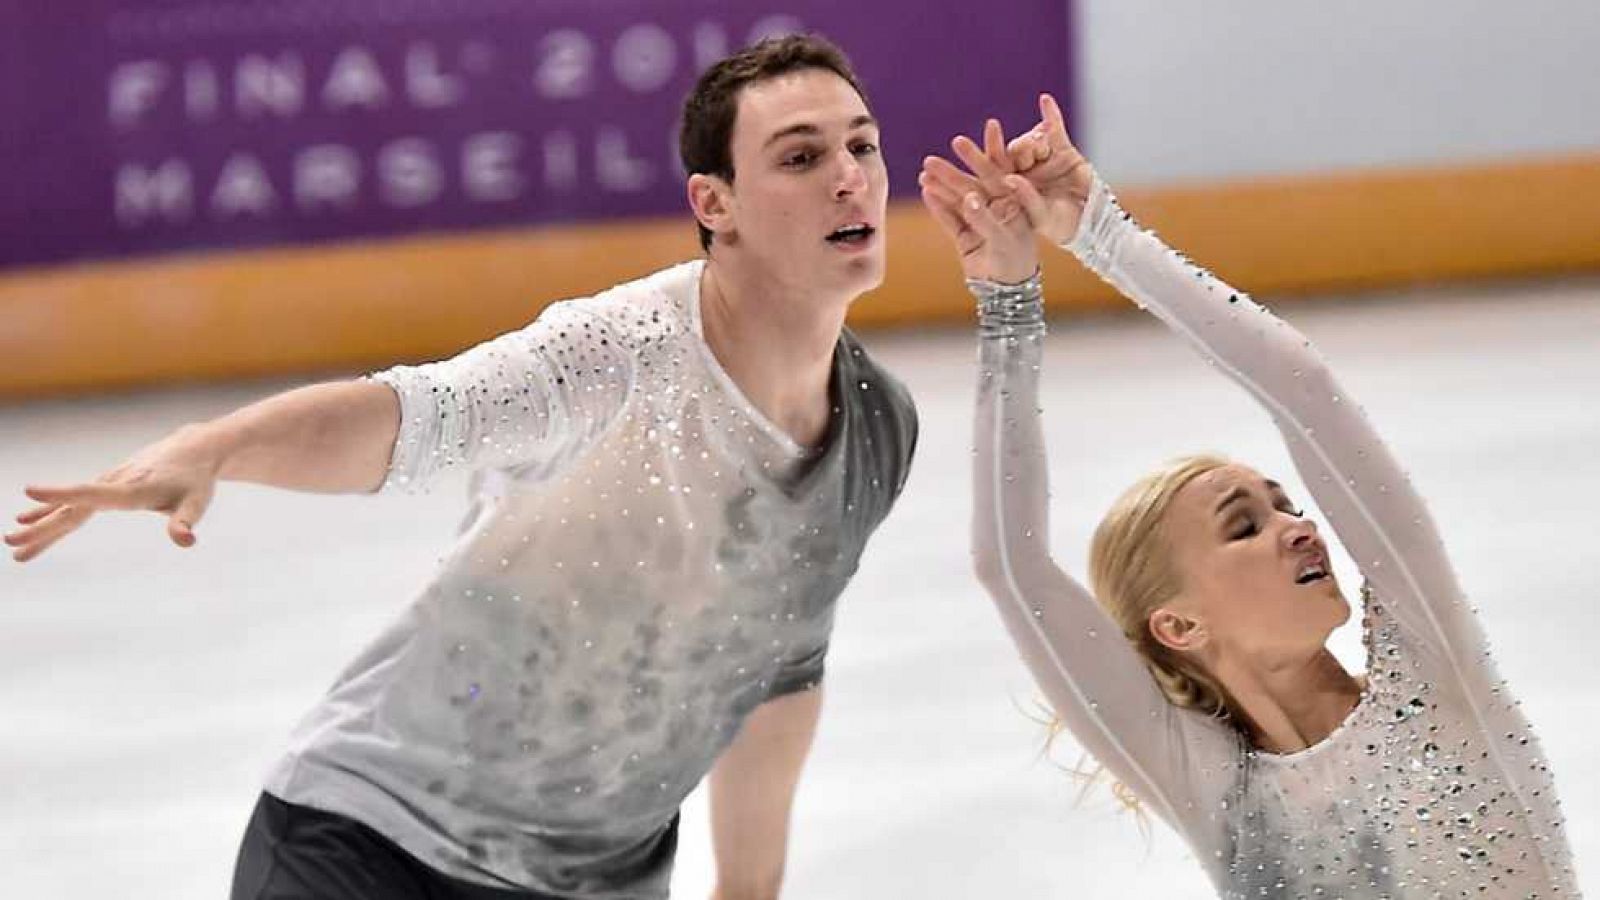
pixel 1132 574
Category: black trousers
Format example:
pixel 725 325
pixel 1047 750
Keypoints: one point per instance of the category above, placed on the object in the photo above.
pixel 294 852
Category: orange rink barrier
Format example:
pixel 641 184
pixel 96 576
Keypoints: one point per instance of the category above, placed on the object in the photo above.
pixel 346 306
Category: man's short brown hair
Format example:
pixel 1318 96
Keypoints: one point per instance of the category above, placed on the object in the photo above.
pixel 705 138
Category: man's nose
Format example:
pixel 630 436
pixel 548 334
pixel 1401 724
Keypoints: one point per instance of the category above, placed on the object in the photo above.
pixel 852 176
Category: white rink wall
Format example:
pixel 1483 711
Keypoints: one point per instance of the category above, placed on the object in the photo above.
pixel 1236 88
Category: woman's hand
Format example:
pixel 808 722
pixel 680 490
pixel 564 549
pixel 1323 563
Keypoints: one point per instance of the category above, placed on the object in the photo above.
pixel 1052 178
pixel 990 229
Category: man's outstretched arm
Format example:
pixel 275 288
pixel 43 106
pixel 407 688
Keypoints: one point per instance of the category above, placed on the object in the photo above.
pixel 752 792
pixel 329 438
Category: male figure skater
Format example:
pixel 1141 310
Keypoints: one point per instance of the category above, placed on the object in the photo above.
pixel 673 480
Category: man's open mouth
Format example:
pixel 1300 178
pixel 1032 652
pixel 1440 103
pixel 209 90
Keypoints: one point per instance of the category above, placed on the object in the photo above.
pixel 856 233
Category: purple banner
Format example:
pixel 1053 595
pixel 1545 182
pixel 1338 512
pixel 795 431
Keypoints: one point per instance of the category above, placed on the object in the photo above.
pixel 134 127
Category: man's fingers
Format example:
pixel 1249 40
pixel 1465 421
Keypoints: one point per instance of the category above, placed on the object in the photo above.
pixel 99 496
pixel 34 540
pixel 180 531
pixel 37 513
pixel 180 525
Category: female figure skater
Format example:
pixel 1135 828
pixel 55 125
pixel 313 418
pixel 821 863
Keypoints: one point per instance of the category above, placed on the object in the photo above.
pixel 1196 671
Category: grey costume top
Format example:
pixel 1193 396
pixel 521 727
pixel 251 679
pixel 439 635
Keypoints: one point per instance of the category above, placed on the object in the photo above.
pixel 646 560
pixel 1434 786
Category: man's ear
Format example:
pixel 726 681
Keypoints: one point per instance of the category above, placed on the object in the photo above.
pixel 1177 631
pixel 711 199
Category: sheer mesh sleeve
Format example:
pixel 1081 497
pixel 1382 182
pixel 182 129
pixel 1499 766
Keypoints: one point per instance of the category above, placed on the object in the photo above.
pixel 1357 483
pixel 1092 675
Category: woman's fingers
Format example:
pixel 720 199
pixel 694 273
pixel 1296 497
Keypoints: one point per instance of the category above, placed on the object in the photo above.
pixel 949 175
pixel 975 210
pixel 1033 205
pixel 943 211
pixel 1055 123
pixel 989 175
pixel 949 218
pixel 994 145
pixel 944 193
pixel 1029 150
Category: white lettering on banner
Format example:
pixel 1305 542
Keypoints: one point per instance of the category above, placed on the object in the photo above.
pixel 133 90
pixel 615 169
pixel 327 174
pixel 409 173
pixel 355 80
pixel 595 153
pixel 167 191
pixel 560 161
pixel 262 85
pixel 243 187
pixel 426 84
pixel 488 167
pixel 566 65
pixel 644 58
pixel 202 91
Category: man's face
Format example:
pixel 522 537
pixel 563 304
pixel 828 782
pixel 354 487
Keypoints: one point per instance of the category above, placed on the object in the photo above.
pixel 810 188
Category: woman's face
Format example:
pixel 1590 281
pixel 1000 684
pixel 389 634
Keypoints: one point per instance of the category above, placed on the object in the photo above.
pixel 1255 580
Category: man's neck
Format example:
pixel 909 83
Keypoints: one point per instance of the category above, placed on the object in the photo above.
pixel 1291 707
pixel 776 342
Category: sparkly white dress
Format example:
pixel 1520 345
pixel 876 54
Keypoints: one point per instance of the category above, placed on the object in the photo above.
pixel 1434 786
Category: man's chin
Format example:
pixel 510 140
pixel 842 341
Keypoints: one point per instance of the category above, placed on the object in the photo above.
pixel 865 273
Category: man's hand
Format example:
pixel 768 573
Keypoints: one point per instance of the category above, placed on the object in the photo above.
pixel 175 477
pixel 1052 178
pixel 330 438
pixel 980 213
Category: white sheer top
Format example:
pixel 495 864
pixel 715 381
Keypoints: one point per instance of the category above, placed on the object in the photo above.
pixel 1434 786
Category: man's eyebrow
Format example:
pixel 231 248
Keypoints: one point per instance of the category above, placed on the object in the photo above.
pixel 810 130
pixel 791 131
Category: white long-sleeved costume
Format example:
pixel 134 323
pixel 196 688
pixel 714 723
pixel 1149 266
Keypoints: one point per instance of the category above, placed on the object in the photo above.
pixel 1434 786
